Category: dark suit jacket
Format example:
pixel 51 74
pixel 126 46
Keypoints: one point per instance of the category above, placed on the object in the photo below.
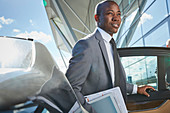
pixel 89 69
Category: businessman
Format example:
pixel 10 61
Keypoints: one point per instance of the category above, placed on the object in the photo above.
pixel 95 65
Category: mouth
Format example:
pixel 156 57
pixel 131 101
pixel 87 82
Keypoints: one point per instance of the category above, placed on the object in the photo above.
pixel 115 25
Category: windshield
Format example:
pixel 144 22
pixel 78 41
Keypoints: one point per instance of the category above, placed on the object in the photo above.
pixel 15 54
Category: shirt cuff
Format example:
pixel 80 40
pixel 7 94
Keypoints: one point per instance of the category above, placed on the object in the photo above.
pixel 135 88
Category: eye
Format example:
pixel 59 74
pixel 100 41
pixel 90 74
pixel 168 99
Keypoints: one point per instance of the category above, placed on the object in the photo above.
pixel 119 14
pixel 110 13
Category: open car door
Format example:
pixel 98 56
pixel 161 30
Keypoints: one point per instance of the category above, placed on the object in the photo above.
pixel 148 66
pixel 30 77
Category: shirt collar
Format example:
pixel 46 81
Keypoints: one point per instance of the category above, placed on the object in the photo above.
pixel 104 34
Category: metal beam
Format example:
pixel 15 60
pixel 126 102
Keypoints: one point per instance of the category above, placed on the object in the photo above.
pixel 133 25
pixel 77 16
pixel 65 41
pixel 65 21
pixel 80 31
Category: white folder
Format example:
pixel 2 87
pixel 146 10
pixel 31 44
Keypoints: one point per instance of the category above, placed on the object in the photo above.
pixel 108 101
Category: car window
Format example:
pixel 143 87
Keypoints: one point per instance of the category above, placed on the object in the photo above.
pixel 141 70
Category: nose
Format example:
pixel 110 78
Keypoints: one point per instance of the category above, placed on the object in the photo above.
pixel 115 18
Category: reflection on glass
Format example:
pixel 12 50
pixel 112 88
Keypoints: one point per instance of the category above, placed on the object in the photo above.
pixel 15 53
pixel 159 36
pixel 141 70
pixel 168 4
pixel 138 43
pixel 121 40
pixel 155 14
pixel 127 61
pixel 137 34
pixel 151 63
pixel 148 3
pixel 130 19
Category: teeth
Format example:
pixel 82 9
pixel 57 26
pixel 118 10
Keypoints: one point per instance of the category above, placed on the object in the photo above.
pixel 115 25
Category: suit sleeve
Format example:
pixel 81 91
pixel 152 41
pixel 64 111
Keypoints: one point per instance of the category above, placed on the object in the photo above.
pixel 129 88
pixel 79 67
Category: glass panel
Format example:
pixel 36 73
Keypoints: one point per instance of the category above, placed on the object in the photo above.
pixel 138 43
pixel 122 34
pixel 130 19
pixel 62 52
pixel 158 37
pixel 141 70
pixel 63 29
pixel 137 34
pixel 125 4
pixel 127 61
pixel 122 38
pixel 168 4
pixel 155 14
pixel 15 53
pixel 151 68
pixel 148 3
pixel 121 8
pixel 63 60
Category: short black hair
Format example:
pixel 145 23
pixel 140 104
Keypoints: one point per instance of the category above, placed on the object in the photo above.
pixel 99 6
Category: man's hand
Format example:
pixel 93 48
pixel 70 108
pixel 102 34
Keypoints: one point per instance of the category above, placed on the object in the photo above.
pixel 142 90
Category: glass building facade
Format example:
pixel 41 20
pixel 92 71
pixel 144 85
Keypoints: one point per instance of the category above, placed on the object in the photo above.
pixel 147 26
pixel 145 23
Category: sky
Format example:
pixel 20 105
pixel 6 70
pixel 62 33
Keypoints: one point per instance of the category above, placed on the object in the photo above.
pixel 24 18
pixel 27 18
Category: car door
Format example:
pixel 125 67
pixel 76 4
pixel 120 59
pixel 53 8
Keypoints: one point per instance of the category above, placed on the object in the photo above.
pixel 148 66
pixel 30 77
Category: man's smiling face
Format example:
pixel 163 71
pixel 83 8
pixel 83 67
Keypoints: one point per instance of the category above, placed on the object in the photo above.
pixel 109 18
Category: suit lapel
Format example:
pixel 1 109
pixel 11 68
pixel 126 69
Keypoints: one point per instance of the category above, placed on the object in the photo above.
pixel 103 49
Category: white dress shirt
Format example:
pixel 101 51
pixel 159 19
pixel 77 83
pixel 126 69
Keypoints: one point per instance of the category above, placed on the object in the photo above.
pixel 106 37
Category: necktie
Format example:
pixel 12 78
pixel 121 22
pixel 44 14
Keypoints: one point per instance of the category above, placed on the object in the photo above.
pixel 120 79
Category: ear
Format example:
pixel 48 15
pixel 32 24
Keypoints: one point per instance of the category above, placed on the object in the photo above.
pixel 96 18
